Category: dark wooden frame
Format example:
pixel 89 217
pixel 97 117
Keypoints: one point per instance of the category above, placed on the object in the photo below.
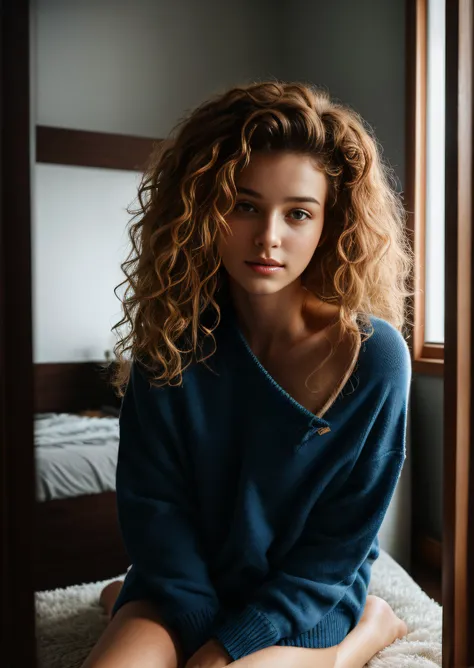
pixel 16 367
pixel 17 622
pixel 458 520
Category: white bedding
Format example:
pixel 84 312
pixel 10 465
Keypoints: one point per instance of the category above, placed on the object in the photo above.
pixel 74 455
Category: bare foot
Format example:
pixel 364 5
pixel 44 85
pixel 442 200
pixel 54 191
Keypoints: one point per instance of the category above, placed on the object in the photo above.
pixel 109 595
pixel 380 615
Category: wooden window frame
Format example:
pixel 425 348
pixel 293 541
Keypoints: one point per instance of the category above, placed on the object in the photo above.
pixel 427 358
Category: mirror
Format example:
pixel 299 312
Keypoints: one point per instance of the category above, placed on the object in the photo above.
pixel 95 117
pixel 112 71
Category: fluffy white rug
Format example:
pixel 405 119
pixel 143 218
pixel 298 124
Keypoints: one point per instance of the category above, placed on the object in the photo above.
pixel 69 621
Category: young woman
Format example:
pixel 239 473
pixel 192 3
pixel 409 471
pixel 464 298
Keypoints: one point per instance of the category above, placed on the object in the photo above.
pixel 262 428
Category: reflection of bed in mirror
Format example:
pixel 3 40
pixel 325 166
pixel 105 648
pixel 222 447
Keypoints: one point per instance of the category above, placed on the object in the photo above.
pixel 77 537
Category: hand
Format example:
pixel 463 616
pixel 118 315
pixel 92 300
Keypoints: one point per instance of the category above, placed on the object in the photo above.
pixel 211 655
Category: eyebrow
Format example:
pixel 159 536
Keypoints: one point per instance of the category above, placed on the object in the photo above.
pixel 249 191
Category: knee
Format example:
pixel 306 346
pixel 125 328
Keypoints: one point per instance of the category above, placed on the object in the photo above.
pixel 109 595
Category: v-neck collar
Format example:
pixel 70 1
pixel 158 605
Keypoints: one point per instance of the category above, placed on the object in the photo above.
pixel 311 417
pixel 312 420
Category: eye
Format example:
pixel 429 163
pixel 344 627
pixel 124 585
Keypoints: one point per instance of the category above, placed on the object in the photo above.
pixel 301 211
pixel 298 220
pixel 242 204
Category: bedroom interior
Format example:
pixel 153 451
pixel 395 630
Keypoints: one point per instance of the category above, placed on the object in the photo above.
pixel 88 123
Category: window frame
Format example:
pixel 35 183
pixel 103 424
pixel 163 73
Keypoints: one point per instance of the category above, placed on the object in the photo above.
pixel 427 358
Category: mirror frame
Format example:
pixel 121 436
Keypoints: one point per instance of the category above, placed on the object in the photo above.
pixel 458 503
pixel 17 482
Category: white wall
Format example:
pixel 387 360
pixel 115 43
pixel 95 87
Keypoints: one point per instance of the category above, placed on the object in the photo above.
pixel 80 241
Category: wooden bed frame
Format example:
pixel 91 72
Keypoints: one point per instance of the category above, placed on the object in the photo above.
pixel 78 539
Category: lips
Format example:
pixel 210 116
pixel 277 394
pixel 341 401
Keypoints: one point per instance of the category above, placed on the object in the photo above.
pixel 264 269
pixel 265 263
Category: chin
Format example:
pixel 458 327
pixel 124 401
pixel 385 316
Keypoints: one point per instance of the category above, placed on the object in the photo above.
pixel 259 285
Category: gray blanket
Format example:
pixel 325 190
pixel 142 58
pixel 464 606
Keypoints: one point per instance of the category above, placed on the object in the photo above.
pixel 74 455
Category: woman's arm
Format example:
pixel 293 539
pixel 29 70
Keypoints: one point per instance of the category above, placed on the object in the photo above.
pixel 157 518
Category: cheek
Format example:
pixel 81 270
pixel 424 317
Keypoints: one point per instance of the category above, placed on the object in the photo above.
pixel 304 245
pixel 236 238
pixel 227 245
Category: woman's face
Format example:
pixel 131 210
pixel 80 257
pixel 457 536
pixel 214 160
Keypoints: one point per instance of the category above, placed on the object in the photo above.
pixel 281 219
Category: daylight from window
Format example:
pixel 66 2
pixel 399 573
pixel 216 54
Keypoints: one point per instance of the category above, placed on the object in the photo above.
pixel 435 155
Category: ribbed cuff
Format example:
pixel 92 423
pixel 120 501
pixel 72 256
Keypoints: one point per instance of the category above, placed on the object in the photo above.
pixel 193 629
pixel 245 633
pixel 330 631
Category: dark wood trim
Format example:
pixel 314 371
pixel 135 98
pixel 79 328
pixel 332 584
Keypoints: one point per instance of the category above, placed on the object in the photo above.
pixel 428 367
pixel 69 387
pixel 17 483
pixel 433 351
pixel 423 354
pixel 429 579
pixel 458 470
pixel 77 540
pixel 426 565
pixel 415 159
pixel 65 146
pixel 428 551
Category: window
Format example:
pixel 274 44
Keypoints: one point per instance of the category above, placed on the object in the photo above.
pixel 435 182
pixel 425 178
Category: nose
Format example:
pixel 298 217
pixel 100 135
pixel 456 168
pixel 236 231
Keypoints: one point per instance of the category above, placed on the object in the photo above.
pixel 269 233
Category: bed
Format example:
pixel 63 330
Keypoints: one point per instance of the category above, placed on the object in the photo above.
pixel 70 620
pixel 77 537
pixel 75 454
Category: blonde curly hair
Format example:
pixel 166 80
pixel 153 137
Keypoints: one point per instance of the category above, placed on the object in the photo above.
pixel 363 262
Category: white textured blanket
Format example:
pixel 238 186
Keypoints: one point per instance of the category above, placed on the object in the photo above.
pixel 69 621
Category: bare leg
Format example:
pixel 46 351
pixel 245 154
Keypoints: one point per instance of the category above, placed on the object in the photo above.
pixel 289 657
pixel 135 638
pixel 108 596
pixel 378 628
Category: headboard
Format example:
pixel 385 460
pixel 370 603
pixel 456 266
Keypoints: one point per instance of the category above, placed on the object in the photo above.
pixel 72 386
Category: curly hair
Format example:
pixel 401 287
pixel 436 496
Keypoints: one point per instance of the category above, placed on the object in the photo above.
pixel 363 262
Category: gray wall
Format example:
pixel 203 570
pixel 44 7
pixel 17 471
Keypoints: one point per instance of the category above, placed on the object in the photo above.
pixel 427 437
pixel 357 50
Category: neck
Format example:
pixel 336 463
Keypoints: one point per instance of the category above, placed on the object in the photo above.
pixel 271 321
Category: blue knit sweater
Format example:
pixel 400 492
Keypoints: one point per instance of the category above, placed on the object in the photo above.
pixel 248 519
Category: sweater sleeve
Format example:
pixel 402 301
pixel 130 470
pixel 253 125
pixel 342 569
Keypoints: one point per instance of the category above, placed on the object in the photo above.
pixel 303 589
pixel 156 518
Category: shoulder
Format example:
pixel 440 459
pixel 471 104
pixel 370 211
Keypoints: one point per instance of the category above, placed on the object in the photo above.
pixel 385 353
